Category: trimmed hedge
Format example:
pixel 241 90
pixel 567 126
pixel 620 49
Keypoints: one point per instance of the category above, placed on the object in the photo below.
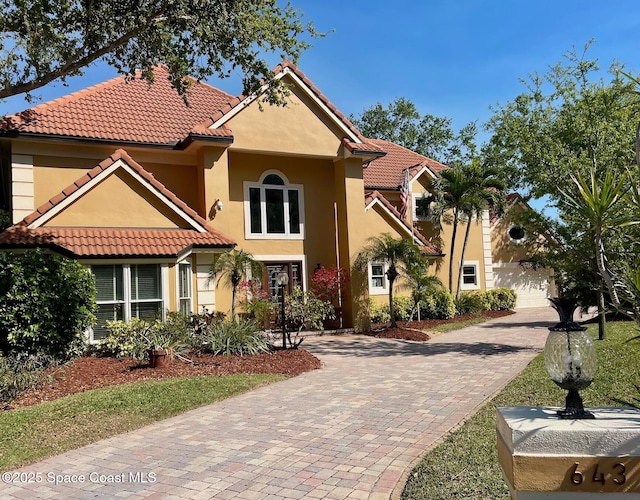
pixel 498 299
pixel 502 299
pixel 441 305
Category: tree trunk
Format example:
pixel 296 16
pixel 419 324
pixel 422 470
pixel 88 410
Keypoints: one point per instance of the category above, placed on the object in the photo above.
pixel 453 245
pixel 602 318
pixel 464 249
pixel 233 303
pixel 392 274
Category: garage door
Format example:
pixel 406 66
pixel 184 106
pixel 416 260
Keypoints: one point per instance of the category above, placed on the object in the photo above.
pixel 532 286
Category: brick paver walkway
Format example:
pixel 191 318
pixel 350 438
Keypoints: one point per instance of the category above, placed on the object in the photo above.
pixel 350 430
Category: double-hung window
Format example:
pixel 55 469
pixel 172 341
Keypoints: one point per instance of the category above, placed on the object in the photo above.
pixel 125 291
pixel 109 297
pixel 422 206
pixel 273 209
pixel 184 287
pixel 469 278
pixel 378 283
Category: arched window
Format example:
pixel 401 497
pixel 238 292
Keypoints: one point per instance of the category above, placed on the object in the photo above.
pixel 273 208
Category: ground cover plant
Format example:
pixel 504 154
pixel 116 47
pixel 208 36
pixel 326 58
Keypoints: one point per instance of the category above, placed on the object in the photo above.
pixel 466 465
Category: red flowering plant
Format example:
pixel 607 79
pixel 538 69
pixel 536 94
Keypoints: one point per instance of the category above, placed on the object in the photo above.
pixel 328 283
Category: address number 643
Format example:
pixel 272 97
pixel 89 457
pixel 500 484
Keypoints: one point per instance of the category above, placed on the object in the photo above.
pixel 616 474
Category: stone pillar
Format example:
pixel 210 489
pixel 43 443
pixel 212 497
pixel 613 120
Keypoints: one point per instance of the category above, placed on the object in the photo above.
pixel 545 457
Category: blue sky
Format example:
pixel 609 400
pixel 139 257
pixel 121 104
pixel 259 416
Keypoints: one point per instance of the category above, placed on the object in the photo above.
pixel 452 58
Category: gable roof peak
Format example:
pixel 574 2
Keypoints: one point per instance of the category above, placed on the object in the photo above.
pixel 103 169
pixel 283 68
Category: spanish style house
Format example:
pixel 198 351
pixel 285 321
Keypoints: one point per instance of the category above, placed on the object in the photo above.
pixel 147 191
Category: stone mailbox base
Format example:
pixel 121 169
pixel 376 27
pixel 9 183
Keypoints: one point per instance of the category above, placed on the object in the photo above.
pixel 545 457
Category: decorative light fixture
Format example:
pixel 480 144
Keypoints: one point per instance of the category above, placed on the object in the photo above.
pixel 215 208
pixel 282 279
pixel 570 358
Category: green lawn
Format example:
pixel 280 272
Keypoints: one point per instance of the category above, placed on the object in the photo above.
pixel 466 465
pixel 35 432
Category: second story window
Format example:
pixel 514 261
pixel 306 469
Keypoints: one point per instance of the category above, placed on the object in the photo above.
pixel 273 209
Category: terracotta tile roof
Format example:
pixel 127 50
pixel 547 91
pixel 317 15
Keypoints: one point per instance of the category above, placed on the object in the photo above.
pixel 113 242
pixel 102 242
pixel 430 249
pixel 388 172
pixel 121 110
pixel 364 148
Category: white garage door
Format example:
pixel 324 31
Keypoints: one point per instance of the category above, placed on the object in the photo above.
pixel 532 286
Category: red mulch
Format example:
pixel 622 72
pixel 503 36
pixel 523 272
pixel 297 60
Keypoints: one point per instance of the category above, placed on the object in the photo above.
pixel 88 373
pixel 415 330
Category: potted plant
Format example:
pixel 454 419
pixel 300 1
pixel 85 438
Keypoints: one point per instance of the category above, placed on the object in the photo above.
pixel 161 350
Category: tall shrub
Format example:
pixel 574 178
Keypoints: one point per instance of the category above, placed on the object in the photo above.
pixel 502 299
pixel 439 305
pixel 46 303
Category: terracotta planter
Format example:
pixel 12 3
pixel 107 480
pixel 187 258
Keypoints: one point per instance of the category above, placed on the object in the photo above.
pixel 160 358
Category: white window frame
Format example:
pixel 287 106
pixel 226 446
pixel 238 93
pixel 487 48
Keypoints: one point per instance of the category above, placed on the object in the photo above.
pixel 378 290
pixel 263 213
pixel 470 286
pixel 189 292
pixel 414 205
pixel 127 295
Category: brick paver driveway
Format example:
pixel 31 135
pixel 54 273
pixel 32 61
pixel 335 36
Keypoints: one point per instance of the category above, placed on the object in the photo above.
pixel 350 430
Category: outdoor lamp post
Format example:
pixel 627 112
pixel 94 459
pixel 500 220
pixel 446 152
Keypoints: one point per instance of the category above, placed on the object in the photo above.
pixel 282 279
pixel 570 358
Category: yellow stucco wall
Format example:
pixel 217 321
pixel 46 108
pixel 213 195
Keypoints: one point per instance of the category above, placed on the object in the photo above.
pixel 118 201
pixel 378 221
pixel 61 167
pixel 51 175
pixel 316 179
pixel 504 249
pixel 353 233
pixel 300 127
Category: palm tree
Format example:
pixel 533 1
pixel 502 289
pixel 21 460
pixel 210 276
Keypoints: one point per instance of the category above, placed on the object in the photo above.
pixel 466 191
pixel 421 284
pixel 397 253
pixel 232 268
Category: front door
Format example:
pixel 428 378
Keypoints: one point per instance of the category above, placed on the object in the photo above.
pixel 272 269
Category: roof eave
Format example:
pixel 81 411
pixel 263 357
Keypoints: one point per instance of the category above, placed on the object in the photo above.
pixel 84 140
pixel 193 138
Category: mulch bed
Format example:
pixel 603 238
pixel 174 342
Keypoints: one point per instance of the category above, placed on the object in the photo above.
pixel 91 372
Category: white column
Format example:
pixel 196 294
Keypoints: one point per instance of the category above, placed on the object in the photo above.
pixel 22 202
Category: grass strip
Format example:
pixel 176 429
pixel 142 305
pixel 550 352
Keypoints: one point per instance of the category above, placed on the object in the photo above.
pixel 36 432
pixel 465 465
